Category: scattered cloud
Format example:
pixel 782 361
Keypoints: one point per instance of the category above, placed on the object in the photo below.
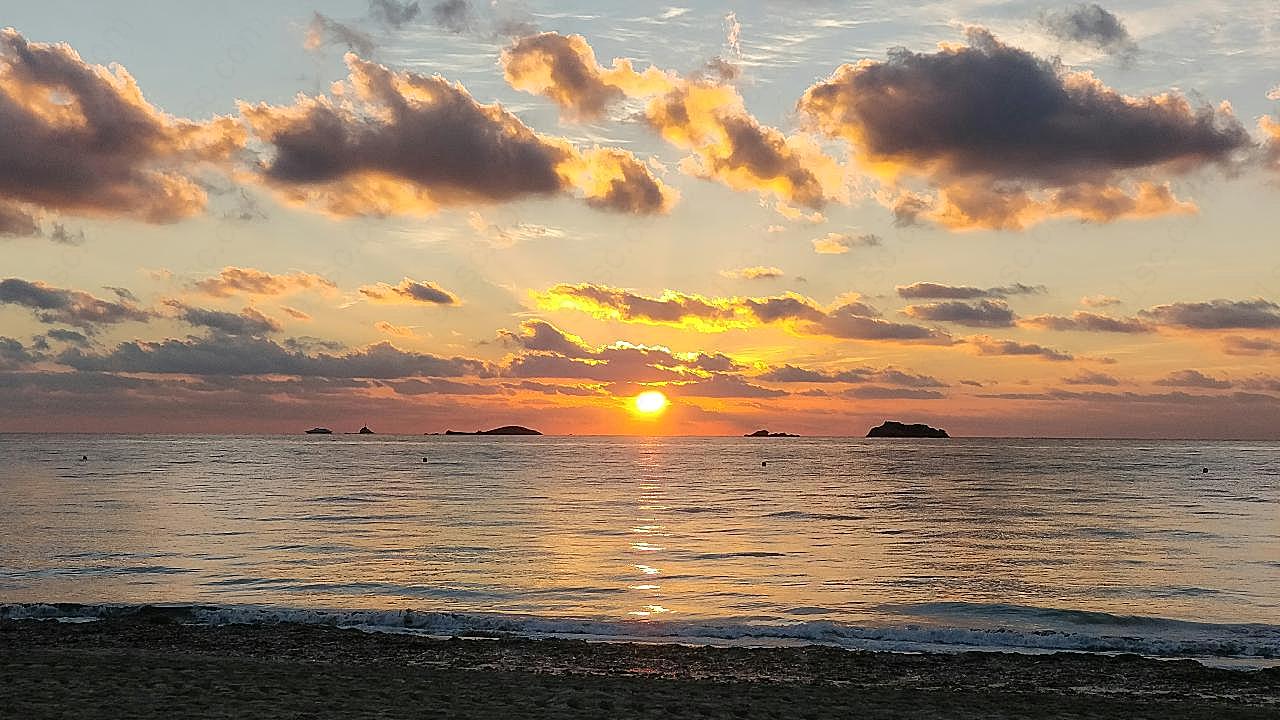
pixel 324 31
pixel 248 322
pixel 1083 321
pixel 983 313
pixel 409 292
pixel 857 375
pixel 1098 301
pixel 880 392
pixel 758 272
pixel 1195 379
pixel 1087 377
pixel 81 139
pixel 1238 345
pixel 987 345
pixel 1217 314
pixel 1075 148
pixel 68 307
pixel 939 291
pixel 1090 24
pixel 405 143
pixel 840 243
pixel 250 281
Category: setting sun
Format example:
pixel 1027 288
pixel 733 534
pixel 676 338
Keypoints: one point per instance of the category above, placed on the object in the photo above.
pixel 651 402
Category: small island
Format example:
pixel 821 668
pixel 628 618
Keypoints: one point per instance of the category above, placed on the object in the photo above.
pixel 894 429
pixel 766 433
pixel 504 430
pixel 319 431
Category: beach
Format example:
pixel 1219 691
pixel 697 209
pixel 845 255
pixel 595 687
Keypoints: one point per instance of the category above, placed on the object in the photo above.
pixel 152 665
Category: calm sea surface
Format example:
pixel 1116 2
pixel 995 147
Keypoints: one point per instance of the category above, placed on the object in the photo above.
pixel 1028 544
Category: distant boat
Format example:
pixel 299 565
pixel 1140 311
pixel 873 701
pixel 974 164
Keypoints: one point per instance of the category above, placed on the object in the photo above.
pixel 364 430
pixel 319 431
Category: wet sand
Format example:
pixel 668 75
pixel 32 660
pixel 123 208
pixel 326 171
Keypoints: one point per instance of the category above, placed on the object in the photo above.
pixel 155 667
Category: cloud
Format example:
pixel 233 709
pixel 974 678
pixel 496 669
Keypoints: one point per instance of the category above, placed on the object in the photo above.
pixel 249 281
pixel 1099 300
pixel 984 313
pixel 383 326
pixel 81 139
pixel 723 386
pixel 69 307
pixel 1090 24
pixel 758 272
pixel 404 143
pixel 699 114
pixel 454 16
pixel 248 322
pixel 850 319
pixel 938 291
pixel 243 355
pixel 1086 377
pixel 988 345
pixel 1083 321
pixel 1237 345
pixel 857 375
pixel 1195 379
pixel 409 291
pixel 398 14
pixel 542 336
pixel 879 392
pixel 1217 314
pixel 295 313
pixel 324 30
pixel 13 354
pixel 1074 148
pixel 840 243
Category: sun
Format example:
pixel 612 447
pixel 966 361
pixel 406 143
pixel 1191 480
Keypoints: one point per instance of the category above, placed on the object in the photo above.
pixel 651 402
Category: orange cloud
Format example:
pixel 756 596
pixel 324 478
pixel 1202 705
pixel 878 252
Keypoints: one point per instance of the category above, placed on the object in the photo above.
pixel 393 143
pixel 250 281
pixel 409 292
pixel 81 139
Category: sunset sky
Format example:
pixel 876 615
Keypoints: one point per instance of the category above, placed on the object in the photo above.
pixel 1002 218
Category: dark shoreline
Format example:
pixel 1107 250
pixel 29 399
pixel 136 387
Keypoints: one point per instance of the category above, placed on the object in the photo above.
pixel 154 667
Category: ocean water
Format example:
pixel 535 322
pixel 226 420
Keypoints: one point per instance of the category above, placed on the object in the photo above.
pixel 1028 545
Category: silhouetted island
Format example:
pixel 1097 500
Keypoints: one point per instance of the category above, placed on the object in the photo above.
pixel 504 430
pixel 893 429
pixel 364 430
pixel 319 431
pixel 766 433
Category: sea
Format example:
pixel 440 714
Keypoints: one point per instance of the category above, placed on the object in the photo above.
pixel 1169 549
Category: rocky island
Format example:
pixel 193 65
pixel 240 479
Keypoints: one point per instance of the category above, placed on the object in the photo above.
pixel 504 430
pixel 766 433
pixel 894 429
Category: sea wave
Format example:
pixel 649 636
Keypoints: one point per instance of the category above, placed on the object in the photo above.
pixel 1075 631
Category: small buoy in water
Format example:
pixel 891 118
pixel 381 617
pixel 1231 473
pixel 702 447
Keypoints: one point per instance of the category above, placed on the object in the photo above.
pixel 763 463
pixel 424 459
pixel 1204 470
pixel 84 458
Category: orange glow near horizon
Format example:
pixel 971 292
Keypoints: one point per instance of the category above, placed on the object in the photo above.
pixel 650 403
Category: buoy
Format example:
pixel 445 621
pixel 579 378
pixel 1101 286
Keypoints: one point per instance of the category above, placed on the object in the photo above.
pixel 763 463
pixel 424 459
pixel 1204 470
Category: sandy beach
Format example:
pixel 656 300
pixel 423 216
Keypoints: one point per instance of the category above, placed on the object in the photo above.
pixel 153 667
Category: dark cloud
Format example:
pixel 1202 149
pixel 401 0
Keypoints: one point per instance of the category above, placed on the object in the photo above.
pixel 81 139
pixel 983 313
pixel 1008 139
pixel 68 307
pixel 1195 379
pixel 542 336
pixel 549 389
pixel 438 386
pixel 1089 322
pixel 1090 24
pixel 987 345
pixel 723 386
pixel 13 354
pixel 324 30
pixel 939 291
pixel 242 355
pixel 404 143
pixel 409 291
pixel 1086 377
pixel 1237 345
pixel 15 221
pixel 248 321
pixel 1172 398
pixel 1269 383
pixel 889 376
pixel 1217 314
pixel 61 235
pixel 454 16
pixel 880 392
pixel 70 337
pixel 397 14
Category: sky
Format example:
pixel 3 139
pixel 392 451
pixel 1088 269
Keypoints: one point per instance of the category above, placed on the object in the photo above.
pixel 1000 218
